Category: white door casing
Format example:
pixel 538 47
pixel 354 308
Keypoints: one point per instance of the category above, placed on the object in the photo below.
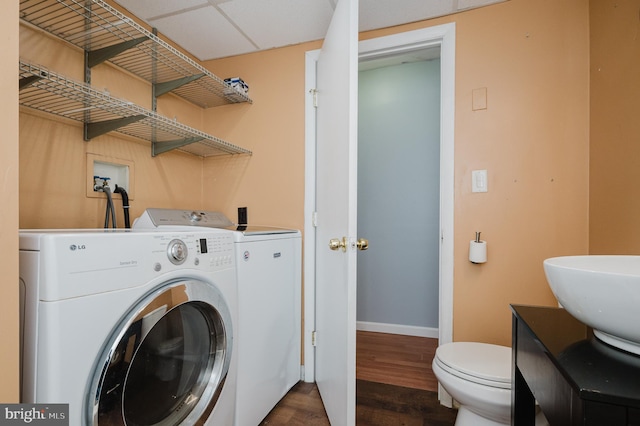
pixel 336 202
pixel 444 36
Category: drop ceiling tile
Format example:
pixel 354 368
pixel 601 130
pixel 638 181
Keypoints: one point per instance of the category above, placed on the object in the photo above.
pixel 205 33
pixel 145 9
pixel 277 23
pixel 376 14
pixel 202 27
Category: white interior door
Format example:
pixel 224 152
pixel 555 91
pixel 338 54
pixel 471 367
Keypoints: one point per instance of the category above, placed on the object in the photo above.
pixel 336 201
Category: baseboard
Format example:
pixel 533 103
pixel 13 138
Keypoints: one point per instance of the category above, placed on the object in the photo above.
pixel 406 330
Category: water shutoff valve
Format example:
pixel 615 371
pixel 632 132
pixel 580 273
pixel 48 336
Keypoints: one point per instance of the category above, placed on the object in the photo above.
pixel 99 183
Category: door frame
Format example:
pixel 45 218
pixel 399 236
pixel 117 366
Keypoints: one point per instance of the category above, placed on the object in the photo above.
pixel 443 36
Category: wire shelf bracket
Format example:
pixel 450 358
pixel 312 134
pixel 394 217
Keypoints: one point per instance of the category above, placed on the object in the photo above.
pixel 160 147
pixel 98 56
pixel 93 130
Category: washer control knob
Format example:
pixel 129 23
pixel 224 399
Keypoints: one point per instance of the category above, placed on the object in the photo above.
pixel 177 252
pixel 195 216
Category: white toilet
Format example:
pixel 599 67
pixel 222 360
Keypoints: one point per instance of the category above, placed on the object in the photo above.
pixel 478 377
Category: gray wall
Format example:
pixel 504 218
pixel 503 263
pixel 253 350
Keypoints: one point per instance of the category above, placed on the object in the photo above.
pixel 398 194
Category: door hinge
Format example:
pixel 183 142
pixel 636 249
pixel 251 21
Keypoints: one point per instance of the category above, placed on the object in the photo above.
pixel 313 338
pixel 314 219
pixel 314 93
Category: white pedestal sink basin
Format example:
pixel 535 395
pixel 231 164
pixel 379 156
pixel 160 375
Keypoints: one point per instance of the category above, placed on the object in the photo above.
pixel 602 292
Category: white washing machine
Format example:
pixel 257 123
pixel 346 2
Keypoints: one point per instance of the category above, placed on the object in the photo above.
pixel 269 263
pixel 130 327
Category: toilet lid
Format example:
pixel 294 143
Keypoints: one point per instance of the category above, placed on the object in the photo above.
pixel 483 361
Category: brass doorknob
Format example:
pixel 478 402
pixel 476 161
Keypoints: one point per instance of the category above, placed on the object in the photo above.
pixel 335 244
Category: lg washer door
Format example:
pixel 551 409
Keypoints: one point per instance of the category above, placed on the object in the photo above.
pixel 167 361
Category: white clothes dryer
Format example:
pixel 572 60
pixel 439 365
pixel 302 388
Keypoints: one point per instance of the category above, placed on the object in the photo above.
pixel 269 269
pixel 130 327
pixel 269 319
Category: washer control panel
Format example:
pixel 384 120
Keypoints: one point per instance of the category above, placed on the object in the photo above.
pixel 177 252
pixel 210 250
pixel 76 261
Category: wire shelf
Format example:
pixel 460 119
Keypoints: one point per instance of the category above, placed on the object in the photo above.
pixel 44 90
pixel 98 28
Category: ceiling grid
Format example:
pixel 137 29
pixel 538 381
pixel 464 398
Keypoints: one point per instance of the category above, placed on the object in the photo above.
pixel 221 28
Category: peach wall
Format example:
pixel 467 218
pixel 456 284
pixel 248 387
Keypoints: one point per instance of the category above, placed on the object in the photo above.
pixel 271 182
pixel 9 350
pixel 53 161
pixel 53 154
pixel 615 128
pixel 532 56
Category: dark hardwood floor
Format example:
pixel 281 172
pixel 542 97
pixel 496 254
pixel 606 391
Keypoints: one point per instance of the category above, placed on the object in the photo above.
pixel 301 406
pixel 395 359
pixel 395 386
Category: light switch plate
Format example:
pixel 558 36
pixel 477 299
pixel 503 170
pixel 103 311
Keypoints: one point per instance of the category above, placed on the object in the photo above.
pixel 479 181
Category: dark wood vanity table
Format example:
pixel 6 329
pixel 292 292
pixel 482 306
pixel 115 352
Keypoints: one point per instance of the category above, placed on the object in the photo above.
pixel 576 379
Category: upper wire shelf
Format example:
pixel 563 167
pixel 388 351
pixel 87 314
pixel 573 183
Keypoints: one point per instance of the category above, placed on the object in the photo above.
pixel 47 91
pixel 107 34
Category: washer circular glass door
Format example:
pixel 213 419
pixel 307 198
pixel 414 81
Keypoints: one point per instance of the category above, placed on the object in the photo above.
pixel 167 361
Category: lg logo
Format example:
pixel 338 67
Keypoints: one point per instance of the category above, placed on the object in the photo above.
pixel 74 247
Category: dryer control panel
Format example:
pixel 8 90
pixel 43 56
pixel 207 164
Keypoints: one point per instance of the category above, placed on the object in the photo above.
pixel 153 218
